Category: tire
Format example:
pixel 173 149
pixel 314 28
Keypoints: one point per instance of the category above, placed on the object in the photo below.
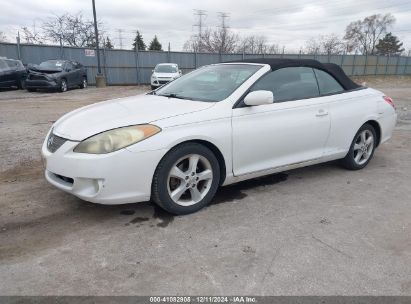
pixel 194 188
pixel 63 85
pixel 30 90
pixel 362 149
pixel 153 87
pixel 84 83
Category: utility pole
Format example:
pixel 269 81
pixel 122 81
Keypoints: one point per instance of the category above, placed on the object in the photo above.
pixel 223 17
pixel 18 45
pixel 200 24
pixel 100 79
pixel 120 37
pixel 224 27
pixel 168 54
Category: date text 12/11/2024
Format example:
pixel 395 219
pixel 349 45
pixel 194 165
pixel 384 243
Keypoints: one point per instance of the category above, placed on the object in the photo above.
pixel 203 299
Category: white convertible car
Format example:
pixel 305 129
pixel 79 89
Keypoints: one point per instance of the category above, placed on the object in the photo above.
pixel 218 125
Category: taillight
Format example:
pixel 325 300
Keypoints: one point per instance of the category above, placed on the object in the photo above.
pixel 389 100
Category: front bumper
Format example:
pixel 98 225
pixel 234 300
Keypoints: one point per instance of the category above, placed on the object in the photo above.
pixel 41 84
pixel 115 178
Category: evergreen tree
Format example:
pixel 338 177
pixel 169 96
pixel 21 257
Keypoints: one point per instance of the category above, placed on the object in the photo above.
pixel 108 44
pixel 155 45
pixel 138 41
pixel 389 45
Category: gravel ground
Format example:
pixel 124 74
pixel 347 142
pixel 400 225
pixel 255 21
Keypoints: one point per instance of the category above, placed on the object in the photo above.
pixel 319 230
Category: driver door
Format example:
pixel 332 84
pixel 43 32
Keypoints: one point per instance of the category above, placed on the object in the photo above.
pixel 291 130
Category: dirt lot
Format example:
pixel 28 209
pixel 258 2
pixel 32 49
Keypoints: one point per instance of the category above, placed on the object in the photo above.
pixel 319 230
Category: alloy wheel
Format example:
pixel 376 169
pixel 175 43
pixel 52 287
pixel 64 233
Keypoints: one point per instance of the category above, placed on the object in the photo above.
pixel 363 147
pixel 189 179
pixel 63 86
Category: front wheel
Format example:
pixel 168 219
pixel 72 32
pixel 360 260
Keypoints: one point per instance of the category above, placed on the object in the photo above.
pixel 63 85
pixel 83 84
pixel 362 148
pixel 186 179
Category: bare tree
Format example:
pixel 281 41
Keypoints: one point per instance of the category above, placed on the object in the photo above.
pixel 332 44
pixel 312 46
pixel 365 34
pixel 325 44
pixel 31 35
pixel 218 40
pixel 192 44
pixel 72 30
pixel 273 49
pixel 255 44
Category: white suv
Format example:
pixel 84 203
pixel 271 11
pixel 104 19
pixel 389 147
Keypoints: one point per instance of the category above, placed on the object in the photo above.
pixel 163 73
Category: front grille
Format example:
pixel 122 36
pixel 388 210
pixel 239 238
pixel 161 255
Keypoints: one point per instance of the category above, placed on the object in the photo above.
pixel 37 77
pixel 163 81
pixel 54 142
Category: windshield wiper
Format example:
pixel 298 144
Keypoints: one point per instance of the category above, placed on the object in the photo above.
pixel 174 95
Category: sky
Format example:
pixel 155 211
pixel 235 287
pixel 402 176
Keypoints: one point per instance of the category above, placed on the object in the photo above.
pixel 287 23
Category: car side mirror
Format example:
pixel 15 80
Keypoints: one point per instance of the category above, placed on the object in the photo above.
pixel 258 98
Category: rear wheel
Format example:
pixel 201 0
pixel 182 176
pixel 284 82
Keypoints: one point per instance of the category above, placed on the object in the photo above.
pixel 186 179
pixel 362 148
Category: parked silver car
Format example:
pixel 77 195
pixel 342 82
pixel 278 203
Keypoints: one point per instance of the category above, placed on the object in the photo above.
pixel 164 73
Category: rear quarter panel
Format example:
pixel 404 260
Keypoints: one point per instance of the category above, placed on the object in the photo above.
pixel 349 111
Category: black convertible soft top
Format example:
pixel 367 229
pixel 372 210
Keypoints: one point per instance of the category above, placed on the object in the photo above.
pixel 331 68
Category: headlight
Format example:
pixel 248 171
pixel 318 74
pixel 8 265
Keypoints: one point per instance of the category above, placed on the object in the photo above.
pixel 116 139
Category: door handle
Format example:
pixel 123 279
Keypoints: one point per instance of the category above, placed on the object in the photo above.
pixel 321 112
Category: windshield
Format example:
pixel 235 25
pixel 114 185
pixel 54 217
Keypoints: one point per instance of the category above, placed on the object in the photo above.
pixel 165 68
pixel 14 64
pixel 52 65
pixel 210 83
pixel 3 66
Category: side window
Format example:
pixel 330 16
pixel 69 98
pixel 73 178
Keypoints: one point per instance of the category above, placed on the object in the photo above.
pixel 289 84
pixel 69 66
pixel 326 83
pixel 76 65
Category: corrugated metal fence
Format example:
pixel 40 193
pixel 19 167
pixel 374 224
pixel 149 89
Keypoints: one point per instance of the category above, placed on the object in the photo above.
pixel 131 67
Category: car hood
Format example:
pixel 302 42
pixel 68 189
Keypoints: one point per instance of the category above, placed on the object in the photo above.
pixel 165 75
pixel 39 70
pixel 90 120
